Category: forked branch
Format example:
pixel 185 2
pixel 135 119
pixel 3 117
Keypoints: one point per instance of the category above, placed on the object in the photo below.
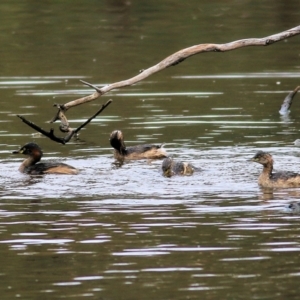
pixel 180 56
pixel 71 132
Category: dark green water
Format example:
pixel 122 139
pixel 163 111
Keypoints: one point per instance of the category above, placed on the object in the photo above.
pixel 127 232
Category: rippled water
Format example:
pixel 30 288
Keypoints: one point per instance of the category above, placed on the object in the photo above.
pixel 127 232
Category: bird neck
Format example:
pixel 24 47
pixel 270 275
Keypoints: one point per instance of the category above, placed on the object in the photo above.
pixel 30 161
pixel 267 169
pixel 122 148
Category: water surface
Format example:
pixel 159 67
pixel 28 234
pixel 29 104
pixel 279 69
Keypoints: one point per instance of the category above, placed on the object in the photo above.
pixel 126 232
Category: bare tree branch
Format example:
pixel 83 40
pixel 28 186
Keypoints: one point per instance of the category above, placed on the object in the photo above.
pixel 287 102
pixel 180 56
pixel 49 134
pixel 92 86
pixel 71 132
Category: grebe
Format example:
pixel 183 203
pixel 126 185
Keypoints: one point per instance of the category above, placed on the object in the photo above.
pixel 146 151
pixel 171 167
pixel 269 179
pixel 31 166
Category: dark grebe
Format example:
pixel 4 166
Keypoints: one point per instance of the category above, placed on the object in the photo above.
pixel 274 180
pixel 171 167
pixel 30 165
pixel 122 152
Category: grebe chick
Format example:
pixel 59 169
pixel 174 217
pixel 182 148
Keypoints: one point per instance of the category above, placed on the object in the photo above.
pixel 31 166
pixel 122 152
pixel 171 167
pixel 269 179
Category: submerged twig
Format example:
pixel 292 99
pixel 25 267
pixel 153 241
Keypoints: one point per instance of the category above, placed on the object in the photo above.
pixel 70 134
pixel 287 102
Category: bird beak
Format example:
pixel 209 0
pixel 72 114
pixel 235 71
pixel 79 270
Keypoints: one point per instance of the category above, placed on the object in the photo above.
pixel 21 151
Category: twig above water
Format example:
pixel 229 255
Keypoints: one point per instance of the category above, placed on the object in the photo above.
pixel 71 132
pixel 180 56
pixel 172 60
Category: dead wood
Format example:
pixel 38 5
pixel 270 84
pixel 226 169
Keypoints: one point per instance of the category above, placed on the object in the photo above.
pixel 287 102
pixel 180 56
pixel 171 60
pixel 71 132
